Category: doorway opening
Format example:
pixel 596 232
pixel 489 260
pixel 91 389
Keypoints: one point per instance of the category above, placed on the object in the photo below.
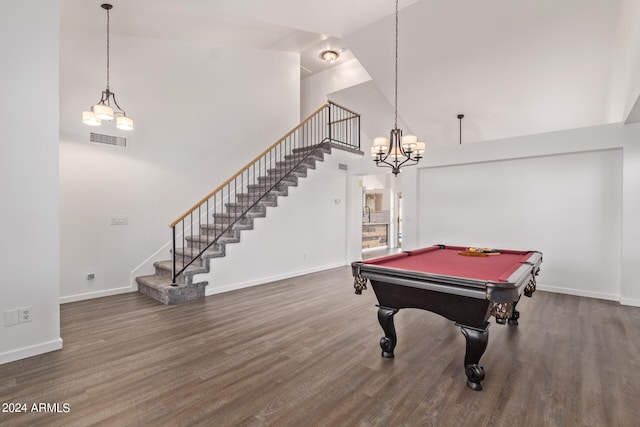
pixel 381 221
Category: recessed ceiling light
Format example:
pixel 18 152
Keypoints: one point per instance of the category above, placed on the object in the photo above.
pixel 329 56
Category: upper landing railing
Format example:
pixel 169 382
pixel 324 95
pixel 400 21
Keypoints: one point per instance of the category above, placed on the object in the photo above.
pixel 216 218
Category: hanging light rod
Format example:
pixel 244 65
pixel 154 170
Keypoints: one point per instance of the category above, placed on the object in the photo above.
pixel 104 108
pixel 398 150
pixel 460 117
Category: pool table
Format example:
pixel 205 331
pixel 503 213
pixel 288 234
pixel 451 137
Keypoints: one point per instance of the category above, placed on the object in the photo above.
pixel 464 286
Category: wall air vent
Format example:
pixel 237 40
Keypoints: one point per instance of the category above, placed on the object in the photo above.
pixel 342 166
pixel 107 139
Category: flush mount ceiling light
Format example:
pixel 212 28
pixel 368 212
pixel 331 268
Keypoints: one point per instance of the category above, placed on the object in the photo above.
pixel 329 56
pixel 104 109
pixel 398 150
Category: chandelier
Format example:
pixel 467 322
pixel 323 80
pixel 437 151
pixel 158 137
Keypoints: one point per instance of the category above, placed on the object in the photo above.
pixel 398 150
pixel 104 109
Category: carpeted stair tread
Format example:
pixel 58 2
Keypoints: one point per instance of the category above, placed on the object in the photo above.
pixel 154 281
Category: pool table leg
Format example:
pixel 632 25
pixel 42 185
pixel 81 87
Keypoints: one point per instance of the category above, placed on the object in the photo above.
pixel 477 340
pixel 388 342
pixel 515 314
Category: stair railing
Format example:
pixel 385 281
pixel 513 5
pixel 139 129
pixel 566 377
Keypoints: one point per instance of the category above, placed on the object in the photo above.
pixel 221 214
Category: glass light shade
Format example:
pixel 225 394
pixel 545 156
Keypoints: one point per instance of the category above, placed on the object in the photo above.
pixel 409 142
pixel 375 153
pixel 103 112
pixel 396 153
pixel 381 145
pixel 124 123
pixel 89 118
pixel 329 56
pixel 420 147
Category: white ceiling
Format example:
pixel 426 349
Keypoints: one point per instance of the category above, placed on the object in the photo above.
pixel 209 19
pixel 304 27
pixel 513 67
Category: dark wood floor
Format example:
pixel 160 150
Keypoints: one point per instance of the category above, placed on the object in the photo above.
pixel 305 351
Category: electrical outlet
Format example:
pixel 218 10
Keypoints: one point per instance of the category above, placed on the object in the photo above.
pixel 25 314
pixel 119 220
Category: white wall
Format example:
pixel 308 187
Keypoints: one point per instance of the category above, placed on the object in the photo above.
pixel 567 206
pixel 201 113
pixel 530 67
pixel 306 232
pixel 561 193
pixel 29 174
pixel 625 76
pixel 314 89
pixel 375 182
pixel 630 286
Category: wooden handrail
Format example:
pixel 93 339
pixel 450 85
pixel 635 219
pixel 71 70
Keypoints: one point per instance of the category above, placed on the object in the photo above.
pixel 344 108
pixel 211 194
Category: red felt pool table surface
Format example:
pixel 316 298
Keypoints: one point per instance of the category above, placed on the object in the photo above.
pixel 445 260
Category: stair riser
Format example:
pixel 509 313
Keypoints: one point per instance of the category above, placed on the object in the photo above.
pixel 326 149
pixel 200 242
pixel 212 231
pixel 198 263
pixel 161 272
pixel 268 200
pixel 245 223
pixel 300 172
pixel 174 295
pixel 260 189
pixel 275 177
pixel 254 212
pixel 235 227
pixel 290 180
pixel 217 247
pixel 307 163
pixel 281 187
pixel 184 257
pixel 262 203
pixel 302 157
pixel 163 269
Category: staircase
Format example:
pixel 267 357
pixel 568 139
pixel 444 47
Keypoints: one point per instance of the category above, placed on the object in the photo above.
pixel 203 232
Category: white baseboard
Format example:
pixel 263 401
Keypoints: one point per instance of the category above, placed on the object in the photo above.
pixel 211 290
pixel 97 294
pixel 579 292
pixel 33 350
pixel 630 301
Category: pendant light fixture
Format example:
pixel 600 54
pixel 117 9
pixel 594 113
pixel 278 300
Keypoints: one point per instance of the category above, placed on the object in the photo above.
pixel 398 150
pixel 104 109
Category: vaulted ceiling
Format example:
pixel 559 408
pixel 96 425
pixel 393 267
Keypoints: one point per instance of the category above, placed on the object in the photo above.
pixel 511 67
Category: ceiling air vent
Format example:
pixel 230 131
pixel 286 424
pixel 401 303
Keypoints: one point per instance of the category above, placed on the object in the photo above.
pixel 107 139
